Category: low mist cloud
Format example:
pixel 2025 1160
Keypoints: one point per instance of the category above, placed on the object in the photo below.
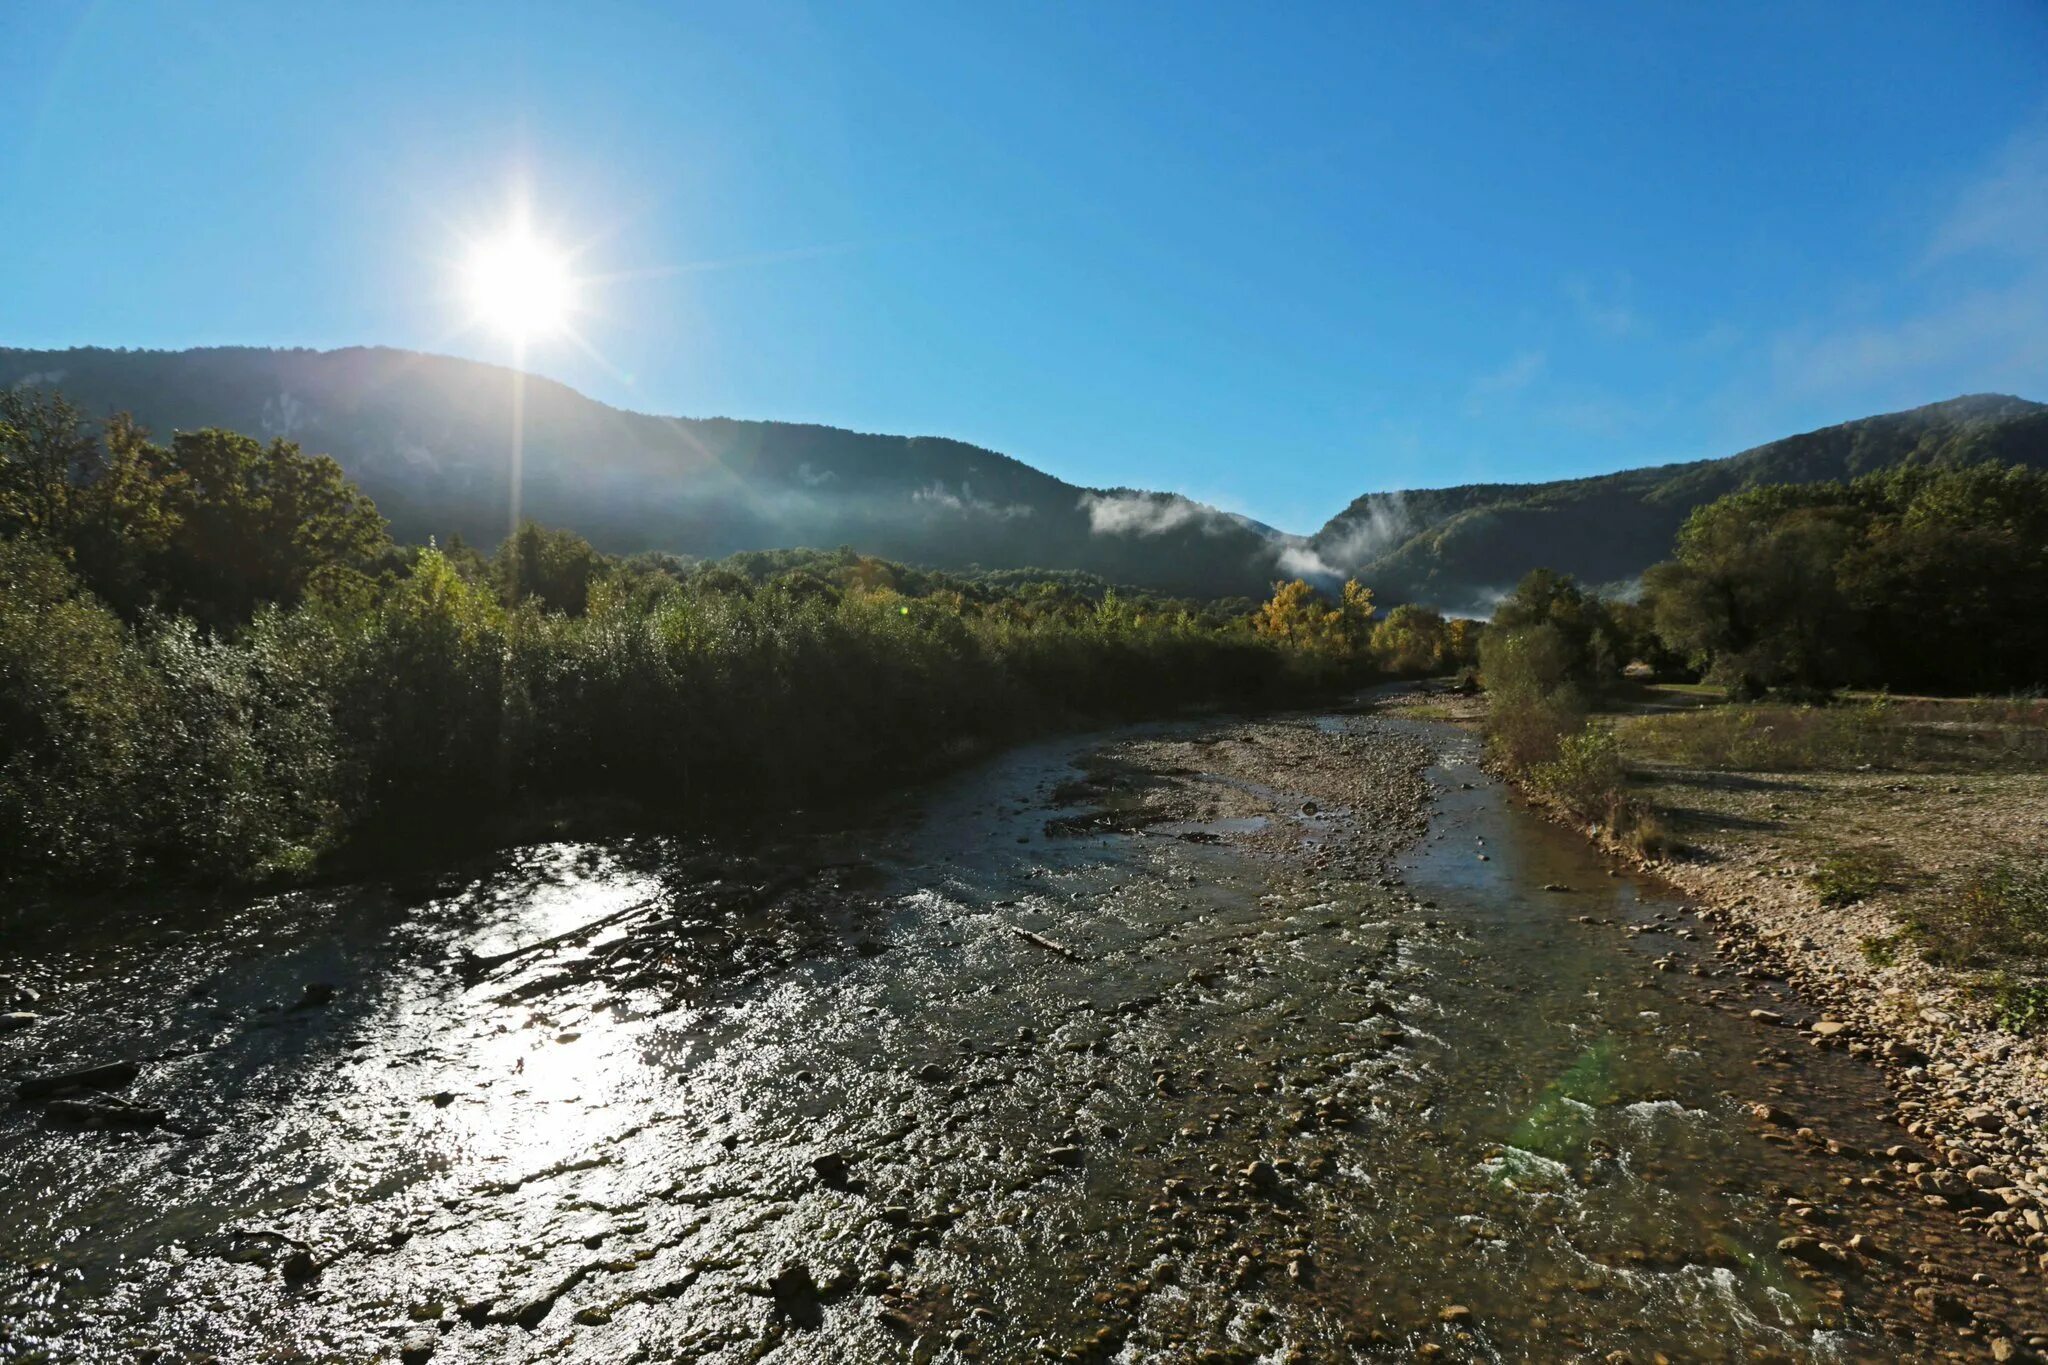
pixel 1365 534
pixel 1149 514
pixel 937 496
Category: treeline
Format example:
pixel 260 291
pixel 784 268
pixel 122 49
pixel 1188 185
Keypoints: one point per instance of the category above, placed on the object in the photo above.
pixel 1916 579
pixel 215 664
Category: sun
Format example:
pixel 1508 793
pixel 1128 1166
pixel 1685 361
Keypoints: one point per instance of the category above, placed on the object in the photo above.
pixel 520 285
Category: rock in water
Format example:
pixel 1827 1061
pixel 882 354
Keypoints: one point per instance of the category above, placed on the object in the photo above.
pixel 796 1295
pixel 111 1076
pixel 106 1113
pixel 316 994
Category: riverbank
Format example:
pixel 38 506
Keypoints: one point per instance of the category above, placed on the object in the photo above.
pixel 1847 865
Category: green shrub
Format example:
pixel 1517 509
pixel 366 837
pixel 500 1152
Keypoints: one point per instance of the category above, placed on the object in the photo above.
pixel 1853 875
pixel 1998 914
pixel 425 705
pixel 1587 775
pixel 1533 700
pixel 2020 1007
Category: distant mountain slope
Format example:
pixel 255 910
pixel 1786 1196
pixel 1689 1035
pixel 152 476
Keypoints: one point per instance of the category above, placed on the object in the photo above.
pixel 429 437
pixel 1460 547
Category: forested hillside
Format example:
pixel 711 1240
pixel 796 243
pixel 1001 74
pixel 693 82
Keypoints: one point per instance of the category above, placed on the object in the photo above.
pixel 1461 548
pixel 429 439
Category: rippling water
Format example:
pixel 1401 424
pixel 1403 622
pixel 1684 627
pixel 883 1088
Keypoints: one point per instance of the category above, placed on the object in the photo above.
pixel 1227 1104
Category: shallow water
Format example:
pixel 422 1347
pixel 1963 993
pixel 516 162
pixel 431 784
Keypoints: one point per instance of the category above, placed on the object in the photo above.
pixel 1226 1101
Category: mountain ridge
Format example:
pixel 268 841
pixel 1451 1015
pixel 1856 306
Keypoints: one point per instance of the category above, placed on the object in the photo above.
pixel 427 437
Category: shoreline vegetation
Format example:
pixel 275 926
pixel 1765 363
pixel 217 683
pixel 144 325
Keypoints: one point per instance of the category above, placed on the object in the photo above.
pixel 216 667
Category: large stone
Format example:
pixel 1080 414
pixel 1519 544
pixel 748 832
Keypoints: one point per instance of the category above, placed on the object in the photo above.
pixel 797 1296
pixel 1940 1306
pixel 1814 1251
pixel 110 1076
pixel 103 1114
pixel 1984 1120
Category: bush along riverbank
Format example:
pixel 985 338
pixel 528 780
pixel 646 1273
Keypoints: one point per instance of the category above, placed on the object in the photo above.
pixel 215 666
pixel 1879 855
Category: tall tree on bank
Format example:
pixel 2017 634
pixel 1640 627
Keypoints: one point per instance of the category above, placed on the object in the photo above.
pixel 48 465
pixel 1928 579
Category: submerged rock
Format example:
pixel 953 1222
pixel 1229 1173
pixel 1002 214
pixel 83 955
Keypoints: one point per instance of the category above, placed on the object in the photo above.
pixel 110 1076
pixel 316 994
pixel 797 1295
pixel 103 1114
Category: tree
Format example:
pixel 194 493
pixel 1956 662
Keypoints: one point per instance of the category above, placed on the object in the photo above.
pixel 1461 641
pixel 1297 614
pixel 217 523
pixel 48 465
pixel 1584 626
pixel 1752 594
pixel 1410 640
pixel 553 568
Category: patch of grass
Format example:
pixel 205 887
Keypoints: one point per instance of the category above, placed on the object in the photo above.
pixel 2001 913
pixel 1853 875
pixel 2020 1007
pixel 1881 950
pixel 1873 733
pixel 1649 835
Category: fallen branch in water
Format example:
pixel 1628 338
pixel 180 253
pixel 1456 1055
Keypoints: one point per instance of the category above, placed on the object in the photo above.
pixel 476 966
pixel 1050 945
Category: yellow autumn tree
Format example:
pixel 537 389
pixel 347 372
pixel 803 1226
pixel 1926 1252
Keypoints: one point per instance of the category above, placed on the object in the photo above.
pixel 1296 614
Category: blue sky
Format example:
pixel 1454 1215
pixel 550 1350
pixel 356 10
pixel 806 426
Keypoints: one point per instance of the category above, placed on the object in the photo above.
pixel 1272 256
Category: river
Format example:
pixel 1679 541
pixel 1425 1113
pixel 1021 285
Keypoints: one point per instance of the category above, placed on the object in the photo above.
pixel 1219 1041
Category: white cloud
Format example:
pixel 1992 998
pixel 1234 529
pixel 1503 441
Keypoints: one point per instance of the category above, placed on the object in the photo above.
pixel 1988 338
pixel 1147 514
pixel 1298 559
pixel 1363 536
pixel 964 503
pixel 2006 211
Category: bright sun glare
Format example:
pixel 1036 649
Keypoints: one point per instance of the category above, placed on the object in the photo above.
pixel 519 285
